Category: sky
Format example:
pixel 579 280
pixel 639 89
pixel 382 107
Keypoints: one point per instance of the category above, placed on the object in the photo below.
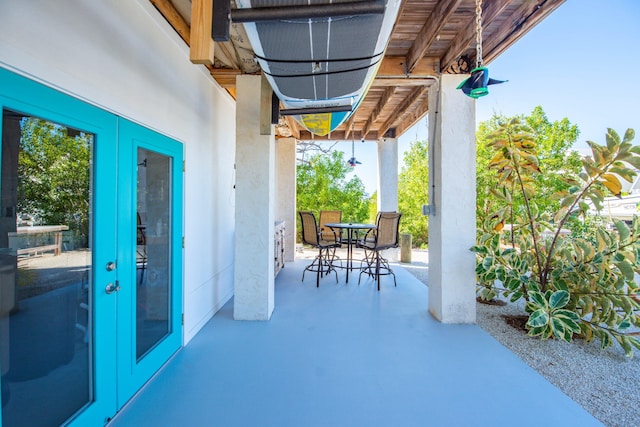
pixel 582 62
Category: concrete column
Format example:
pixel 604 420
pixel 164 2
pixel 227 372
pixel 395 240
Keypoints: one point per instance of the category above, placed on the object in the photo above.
pixel 286 192
pixel 255 196
pixel 452 197
pixel 388 184
pixel 388 174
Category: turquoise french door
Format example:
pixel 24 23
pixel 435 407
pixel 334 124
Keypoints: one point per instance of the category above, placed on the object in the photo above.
pixel 90 257
pixel 151 298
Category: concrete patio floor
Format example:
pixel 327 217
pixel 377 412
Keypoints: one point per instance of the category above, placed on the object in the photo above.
pixel 347 355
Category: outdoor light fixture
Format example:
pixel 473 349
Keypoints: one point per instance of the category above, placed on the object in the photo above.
pixel 476 85
pixel 352 161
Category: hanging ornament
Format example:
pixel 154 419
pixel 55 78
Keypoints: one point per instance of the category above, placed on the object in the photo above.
pixel 476 85
pixel 352 161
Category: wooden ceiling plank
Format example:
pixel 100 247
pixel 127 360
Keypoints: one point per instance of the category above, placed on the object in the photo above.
pixel 413 118
pixel 382 102
pixel 202 46
pixel 436 21
pixel 402 108
pixel 348 126
pixel 465 38
pixel 173 17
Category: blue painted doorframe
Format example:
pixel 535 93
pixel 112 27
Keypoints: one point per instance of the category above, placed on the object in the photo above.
pixel 117 374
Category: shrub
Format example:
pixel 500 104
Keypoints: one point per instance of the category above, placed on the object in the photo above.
pixel 580 284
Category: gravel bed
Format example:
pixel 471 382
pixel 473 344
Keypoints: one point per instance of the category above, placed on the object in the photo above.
pixel 603 382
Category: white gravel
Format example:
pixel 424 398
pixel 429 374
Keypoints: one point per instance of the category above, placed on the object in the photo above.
pixel 603 382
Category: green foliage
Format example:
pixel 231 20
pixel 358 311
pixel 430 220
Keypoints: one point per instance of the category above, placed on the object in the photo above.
pixel 322 184
pixel 55 175
pixel 553 142
pixel 573 284
pixel 373 208
pixel 413 192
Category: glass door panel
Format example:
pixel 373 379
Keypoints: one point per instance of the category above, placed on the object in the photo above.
pixel 46 277
pixel 153 250
pixel 149 254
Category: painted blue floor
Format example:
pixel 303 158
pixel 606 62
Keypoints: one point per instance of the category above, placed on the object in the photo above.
pixel 347 356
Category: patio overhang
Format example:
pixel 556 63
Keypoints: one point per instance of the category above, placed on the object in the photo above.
pixel 430 38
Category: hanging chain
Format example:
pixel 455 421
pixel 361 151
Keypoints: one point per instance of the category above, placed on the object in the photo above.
pixel 478 33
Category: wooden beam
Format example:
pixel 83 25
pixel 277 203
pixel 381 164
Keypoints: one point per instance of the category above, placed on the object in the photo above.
pixel 173 17
pixel 395 67
pixel 382 82
pixel 466 37
pixel 401 109
pixel 382 102
pixel 518 24
pixel 413 118
pixel 337 135
pixel 201 43
pixel 348 126
pixel 439 16
pixel 226 77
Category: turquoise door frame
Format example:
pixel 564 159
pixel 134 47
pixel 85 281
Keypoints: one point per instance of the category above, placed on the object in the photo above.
pixel 133 373
pixel 116 374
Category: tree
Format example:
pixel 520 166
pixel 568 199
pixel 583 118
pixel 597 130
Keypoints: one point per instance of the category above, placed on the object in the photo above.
pixel 571 285
pixel 553 141
pixel 322 184
pixel 413 192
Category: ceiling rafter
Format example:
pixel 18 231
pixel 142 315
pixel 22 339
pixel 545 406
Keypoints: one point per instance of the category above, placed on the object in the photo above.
pixel 349 125
pixel 413 117
pixel 382 102
pixel 438 18
pixel 465 39
pixel 415 94
pixel 173 17
pixel 517 25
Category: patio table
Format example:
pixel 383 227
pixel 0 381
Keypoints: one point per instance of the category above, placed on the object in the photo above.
pixel 350 227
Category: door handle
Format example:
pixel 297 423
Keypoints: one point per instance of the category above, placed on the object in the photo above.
pixel 111 288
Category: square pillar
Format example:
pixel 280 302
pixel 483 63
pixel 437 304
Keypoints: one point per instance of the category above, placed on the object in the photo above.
pixel 452 197
pixel 388 183
pixel 286 192
pixel 255 196
pixel 388 174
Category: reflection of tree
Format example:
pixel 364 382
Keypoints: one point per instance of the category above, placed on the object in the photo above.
pixel 54 170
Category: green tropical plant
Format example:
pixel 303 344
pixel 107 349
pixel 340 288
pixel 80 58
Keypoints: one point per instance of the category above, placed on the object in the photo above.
pixel 554 141
pixel 571 285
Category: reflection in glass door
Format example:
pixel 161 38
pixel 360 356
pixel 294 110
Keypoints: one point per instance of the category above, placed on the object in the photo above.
pixel 45 271
pixel 153 250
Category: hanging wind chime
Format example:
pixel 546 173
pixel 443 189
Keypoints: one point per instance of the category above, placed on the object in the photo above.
pixel 352 161
pixel 476 85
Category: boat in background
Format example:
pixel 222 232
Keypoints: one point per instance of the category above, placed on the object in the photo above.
pixel 321 56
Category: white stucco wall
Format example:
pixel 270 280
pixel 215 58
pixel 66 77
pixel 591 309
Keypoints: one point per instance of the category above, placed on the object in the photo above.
pixel 124 57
